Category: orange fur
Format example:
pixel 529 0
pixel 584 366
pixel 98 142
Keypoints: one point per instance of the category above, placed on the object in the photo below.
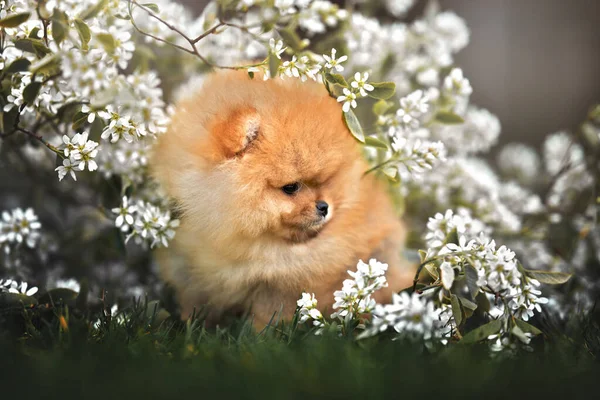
pixel 245 244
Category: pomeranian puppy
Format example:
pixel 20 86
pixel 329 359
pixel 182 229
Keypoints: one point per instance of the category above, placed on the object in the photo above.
pixel 273 199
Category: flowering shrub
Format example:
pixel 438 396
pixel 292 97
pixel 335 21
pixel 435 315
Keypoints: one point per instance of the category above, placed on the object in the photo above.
pixel 86 87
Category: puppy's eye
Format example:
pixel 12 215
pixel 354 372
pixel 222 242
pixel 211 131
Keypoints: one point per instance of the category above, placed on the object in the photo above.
pixel 291 188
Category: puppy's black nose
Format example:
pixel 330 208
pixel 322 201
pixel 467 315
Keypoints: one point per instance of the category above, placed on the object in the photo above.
pixel 322 208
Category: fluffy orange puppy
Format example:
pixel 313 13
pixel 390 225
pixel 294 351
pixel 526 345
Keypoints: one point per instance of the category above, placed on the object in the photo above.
pixel 274 201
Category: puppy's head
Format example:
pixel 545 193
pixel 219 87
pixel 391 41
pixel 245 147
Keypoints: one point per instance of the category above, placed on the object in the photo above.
pixel 274 159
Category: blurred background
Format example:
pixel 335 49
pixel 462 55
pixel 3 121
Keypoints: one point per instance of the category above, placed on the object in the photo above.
pixel 533 63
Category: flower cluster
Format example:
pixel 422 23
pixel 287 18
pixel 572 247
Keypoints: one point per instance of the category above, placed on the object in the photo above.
pixel 307 309
pixel 354 301
pixel 79 152
pixel 355 298
pixel 412 316
pixel 13 286
pixel 79 68
pixel 145 222
pixel 461 247
pixel 18 226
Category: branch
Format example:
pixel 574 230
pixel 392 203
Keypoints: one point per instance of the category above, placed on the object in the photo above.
pixel 192 41
pixel 40 139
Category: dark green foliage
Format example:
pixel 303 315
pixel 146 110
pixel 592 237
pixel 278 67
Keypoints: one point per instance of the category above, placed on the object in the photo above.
pixel 146 353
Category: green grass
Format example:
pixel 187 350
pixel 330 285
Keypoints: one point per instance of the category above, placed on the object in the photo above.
pixel 142 358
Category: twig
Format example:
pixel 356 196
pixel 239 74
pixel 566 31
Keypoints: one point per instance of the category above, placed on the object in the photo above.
pixel 208 32
pixel 379 166
pixel 192 41
pixel 40 139
pixel 44 23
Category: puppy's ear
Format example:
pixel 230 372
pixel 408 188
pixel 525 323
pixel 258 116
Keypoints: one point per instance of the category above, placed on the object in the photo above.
pixel 236 132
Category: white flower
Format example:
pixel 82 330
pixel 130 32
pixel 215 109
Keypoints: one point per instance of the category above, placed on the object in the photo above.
pixel 456 84
pixel 349 99
pixel 519 161
pixel 560 151
pixel 452 30
pixel 66 168
pixel 70 284
pixel 290 68
pixel 478 133
pixel 411 315
pixel 399 7
pixel 415 155
pixel 152 225
pixel 17 227
pixel 125 215
pixel 412 107
pixel 354 299
pixel 84 151
pixel 448 275
pixel 285 6
pixel 86 109
pixel 526 300
pixel 22 289
pixel 332 63
pixel 276 47
pixel 360 84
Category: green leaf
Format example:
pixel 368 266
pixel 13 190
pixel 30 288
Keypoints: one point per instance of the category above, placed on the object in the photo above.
pixel 152 7
pixel 79 120
pixel 14 20
pixel 448 118
pixel 108 41
pixel 31 91
pixel 58 295
pixel 34 33
pixel 32 46
pixel 472 277
pixel 46 65
pixel 9 119
pixel 432 269
pixel 60 25
pixel 483 303
pixel 526 327
pixel 382 90
pixel 273 65
pixel 336 79
pixel 92 11
pixel 518 332
pixel 456 310
pixel 388 64
pixel 372 141
pixel 392 174
pixel 354 126
pixel 11 300
pixel 291 38
pixel 84 32
pixel 466 303
pixel 550 278
pixel 381 107
pixel 482 332
pixel 19 65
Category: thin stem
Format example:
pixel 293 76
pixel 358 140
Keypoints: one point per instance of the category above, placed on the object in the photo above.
pixel 379 166
pixel 208 32
pixel 192 41
pixel 40 139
